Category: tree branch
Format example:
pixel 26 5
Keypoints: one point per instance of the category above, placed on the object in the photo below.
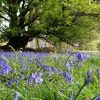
pixel 32 20
pixel 4 18
pixel 24 10
pixel 46 39
pixel 86 14
pixel 60 36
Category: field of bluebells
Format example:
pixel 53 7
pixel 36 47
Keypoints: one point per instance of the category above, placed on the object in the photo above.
pixel 49 76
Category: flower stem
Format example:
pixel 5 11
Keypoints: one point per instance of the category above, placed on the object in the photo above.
pixel 79 92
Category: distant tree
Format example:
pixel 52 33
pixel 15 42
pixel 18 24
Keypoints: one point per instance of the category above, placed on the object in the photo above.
pixel 55 21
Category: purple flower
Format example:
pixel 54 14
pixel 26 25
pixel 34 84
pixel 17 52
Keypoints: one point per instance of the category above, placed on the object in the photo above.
pixel 23 68
pixel 68 76
pixel 98 73
pixel 42 65
pixel 38 78
pixel 60 72
pixel 45 69
pixel 69 65
pixel 97 98
pixel 31 78
pixel 51 70
pixel 12 81
pixel 55 58
pixel 79 56
pixel 5 69
pixel 70 98
pixel 35 78
pixel 88 77
pixel 16 96
pixel 22 76
pixel 9 83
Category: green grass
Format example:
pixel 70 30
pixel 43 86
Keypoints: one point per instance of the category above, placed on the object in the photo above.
pixel 53 87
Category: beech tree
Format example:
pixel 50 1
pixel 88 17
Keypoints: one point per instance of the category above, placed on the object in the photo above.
pixel 70 21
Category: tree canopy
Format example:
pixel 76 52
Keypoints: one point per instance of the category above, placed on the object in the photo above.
pixel 71 21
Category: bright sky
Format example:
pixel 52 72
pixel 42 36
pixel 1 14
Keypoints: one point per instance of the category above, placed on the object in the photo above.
pixel 5 23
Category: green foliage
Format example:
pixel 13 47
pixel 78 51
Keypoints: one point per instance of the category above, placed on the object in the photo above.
pixel 71 21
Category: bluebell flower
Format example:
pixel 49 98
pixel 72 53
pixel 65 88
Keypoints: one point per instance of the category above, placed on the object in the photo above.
pixel 42 65
pixel 70 98
pixel 59 71
pixel 22 76
pixel 86 56
pixel 35 78
pixel 9 83
pixel 45 69
pixel 55 58
pixel 88 77
pixel 98 72
pixel 69 65
pixel 23 68
pixel 31 76
pixel 12 81
pixel 5 68
pixel 97 98
pixel 16 96
pixel 79 56
pixel 51 70
pixel 68 76
pixel 38 79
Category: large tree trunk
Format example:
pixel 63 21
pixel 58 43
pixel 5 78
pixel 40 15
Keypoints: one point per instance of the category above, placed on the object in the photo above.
pixel 16 33
pixel 18 42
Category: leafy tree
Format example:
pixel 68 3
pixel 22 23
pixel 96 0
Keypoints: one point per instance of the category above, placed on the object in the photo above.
pixel 71 21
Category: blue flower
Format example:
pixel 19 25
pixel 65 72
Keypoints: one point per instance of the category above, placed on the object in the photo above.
pixel 35 78
pixel 22 76
pixel 88 77
pixel 42 65
pixel 23 68
pixel 60 72
pixel 16 96
pixel 97 98
pixel 12 81
pixel 38 78
pixel 55 58
pixel 32 76
pixel 70 98
pixel 98 72
pixel 68 76
pixel 9 83
pixel 5 69
pixel 51 70
pixel 69 65
pixel 79 56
